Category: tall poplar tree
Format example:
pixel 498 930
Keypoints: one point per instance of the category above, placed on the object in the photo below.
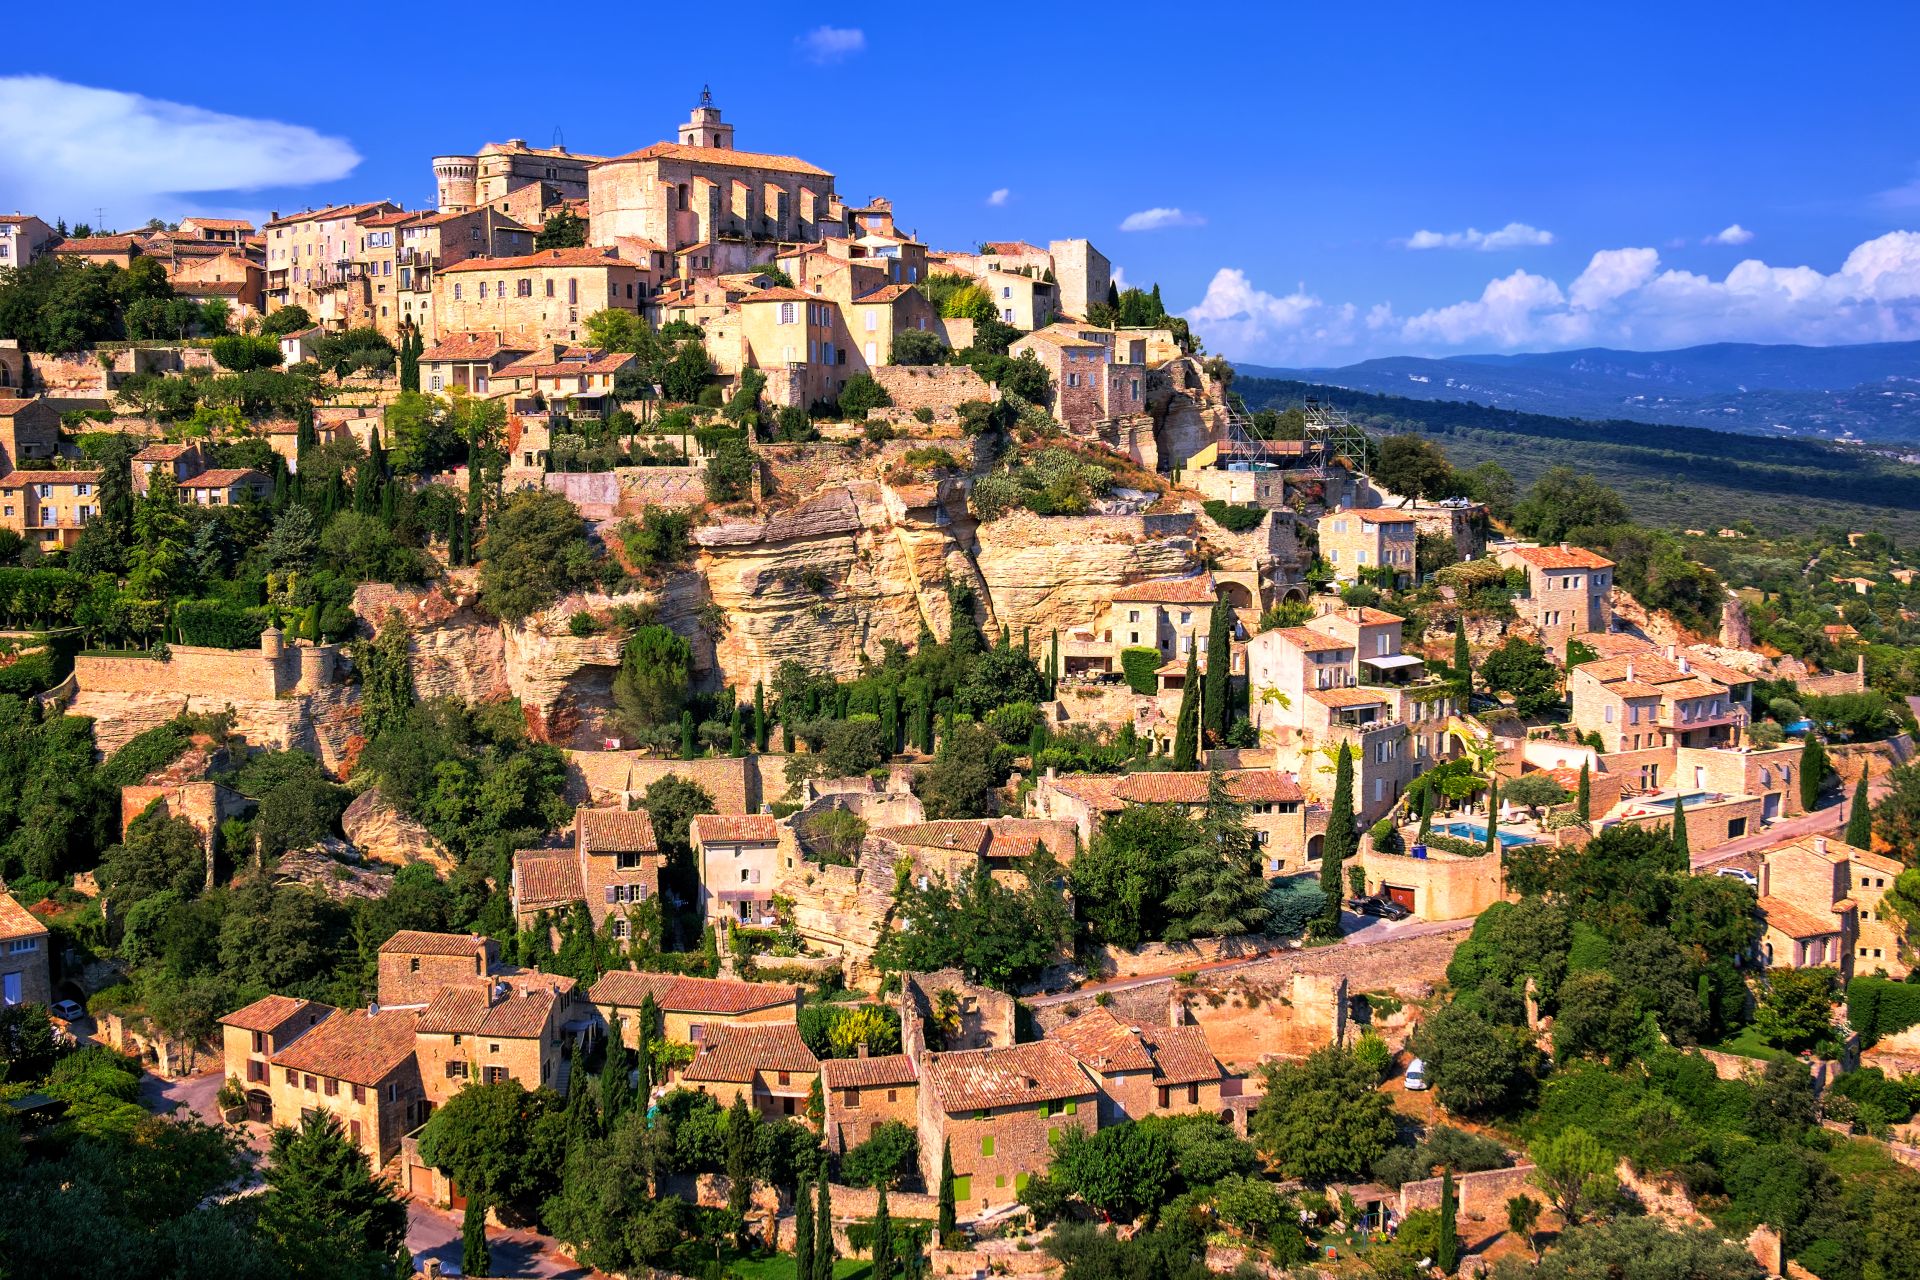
pixel 1186 726
pixel 1216 708
pixel 1860 817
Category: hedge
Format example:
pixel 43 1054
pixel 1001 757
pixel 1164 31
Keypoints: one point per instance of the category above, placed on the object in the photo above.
pixel 1879 1007
pixel 33 673
pixel 1293 904
pixel 218 624
pixel 1139 665
pixel 1232 516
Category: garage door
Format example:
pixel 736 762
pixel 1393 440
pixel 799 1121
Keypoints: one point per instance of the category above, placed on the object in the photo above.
pixel 1400 895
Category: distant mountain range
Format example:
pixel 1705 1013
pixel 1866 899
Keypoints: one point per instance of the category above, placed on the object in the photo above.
pixel 1869 393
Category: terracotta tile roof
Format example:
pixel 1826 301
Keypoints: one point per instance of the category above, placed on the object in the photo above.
pixel 742 828
pixel 1018 837
pixel 1195 590
pixel 1614 644
pixel 467 346
pixel 1693 689
pixel 585 256
pixel 1646 668
pixel 1009 1076
pixel 968 835
pixel 419 942
pixel 1311 641
pixel 545 877
pixel 521 1013
pixel 1712 670
pixel 195 288
pixel 164 452
pixel 331 211
pixel 19 479
pixel 12 405
pixel 734 1054
pixel 270 1013
pixel 1055 338
pixel 671 991
pixel 16 921
pixel 780 293
pixel 1103 1043
pixel 219 224
pixel 886 293
pixel 721 157
pixel 17 219
pixel 859 1073
pixel 354 1046
pixel 1796 922
pixel 1359 614
pixel 97 244
pixel 1248 786
pixel 603 362
pixel 393 219
pixel 1181 1055
pixel 1348 697
pixel 221 478
pixel 1561 557
pixel 1632 689
pixel 615 830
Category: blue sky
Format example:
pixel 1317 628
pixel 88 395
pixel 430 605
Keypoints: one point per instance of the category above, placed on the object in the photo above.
pixel 1649 177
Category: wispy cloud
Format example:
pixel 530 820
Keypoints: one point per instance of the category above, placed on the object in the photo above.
pixel 1515 235
pixel 1735 234
pixel 1623 298
pixel 1156 219
pixel 823 45
pixel 67 149
pixel 1904 196
pixel 999 196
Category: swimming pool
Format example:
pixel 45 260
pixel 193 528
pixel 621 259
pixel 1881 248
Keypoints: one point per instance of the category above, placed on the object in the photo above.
pixel 1664 804
pixel 1477 831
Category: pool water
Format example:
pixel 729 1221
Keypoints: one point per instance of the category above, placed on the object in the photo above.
pixel 1477 831
pixel 1664 804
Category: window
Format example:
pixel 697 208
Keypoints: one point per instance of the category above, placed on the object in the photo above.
pixel 963 1187
pixel 786 313
pixel 456 1070
pixel 850 1099
pixel 986 1145
pixel 257 1072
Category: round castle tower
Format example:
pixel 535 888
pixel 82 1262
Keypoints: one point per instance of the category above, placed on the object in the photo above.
pixel 456 180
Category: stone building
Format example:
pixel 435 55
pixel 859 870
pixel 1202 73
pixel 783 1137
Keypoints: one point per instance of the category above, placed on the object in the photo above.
pixel 862 1093
pixel 468 362
pixel 1357 543
pixel 49 508
pixel 1142 1071
pixel 102 251
pixel 1569 590
pixel 700 188
pixel 250 1036
pixel 615 860
pixel 1087 388
pixel 413 965
pixel 310 252
pixel 766 1063
pixel 502 1026
pixel 739 860
pixel 25 973
pixel 500 169
pixel 1820 904
pixel 23 239
pixel 537 298
pixel 1647 700
pixel 999 1110
pixel 360 1065
pixel 29 429
pixel 690 1008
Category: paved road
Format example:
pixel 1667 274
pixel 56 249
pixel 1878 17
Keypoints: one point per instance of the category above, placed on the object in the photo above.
pixel 195 1093
pixel 1821 822
pixel 435 1233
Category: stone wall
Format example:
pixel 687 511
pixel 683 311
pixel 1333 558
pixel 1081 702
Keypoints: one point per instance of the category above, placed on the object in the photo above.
pixel 1482 1195
pixel 935 387
pixel 734 782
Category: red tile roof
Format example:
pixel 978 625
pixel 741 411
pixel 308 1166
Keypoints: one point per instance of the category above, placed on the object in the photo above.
pixel 1009 1076
pixel 468 346
pixel 1311 641
pixel 547 877
pixel 270 1013
pixel 331 211
pixel 1102 1042
pixel 735 1054
pixel 354 1046
pixel 222 478
pixel 860 1073
pixel 961 835
pixel 1561 557
pixel 886 293
pixel 419 942
pixel 1195 590
pixel 520 1013
pixel 627 988
pixel 1247 786
pixel 219 224
pixel 16 921
pixel 743 828
pixel 780 293
pixel 615 830
pixel 11 405
pixel 585 256
pixel 1796 922
pixel 721 157
pixel 97 244
pixel 164 452
pixel 1351 696
pixel 20 479
pixel 1181 1055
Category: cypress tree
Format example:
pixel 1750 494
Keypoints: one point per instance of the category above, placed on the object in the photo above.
pixel 890 719
pixel 1053 665
pixel 823 1229
pixel 736 742
pixel 1005 641
pixel 475 1258
pixel 1813 771
pixel 759 716
pixel 1860 817
pixel 884 1265
pixel 616 1093
pixel 1339 843
pixel 1584 797
pixel 1216 706
pixel 686 735
pixel 1426 810
pixel 1446 1250
pixel 1462 663
pixel 803 1226
pixel 786 735
pixel 1186 727
pixel 1026 643
pixel 740 1153
pixel 1682 847
pixel 945 1224
pixel 1493 814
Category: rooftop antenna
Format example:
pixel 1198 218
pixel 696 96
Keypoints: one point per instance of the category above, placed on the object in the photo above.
pixel 559 139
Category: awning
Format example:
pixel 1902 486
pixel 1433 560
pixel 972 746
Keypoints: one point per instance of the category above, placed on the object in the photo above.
pixel 1395 662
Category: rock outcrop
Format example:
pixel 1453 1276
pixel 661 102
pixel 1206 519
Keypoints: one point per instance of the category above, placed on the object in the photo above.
pixel 381 833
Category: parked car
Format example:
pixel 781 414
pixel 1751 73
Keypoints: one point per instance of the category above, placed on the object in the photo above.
pixel 1742 875
pixel 1416 1078
pixel 67 1010
pixel 1378 905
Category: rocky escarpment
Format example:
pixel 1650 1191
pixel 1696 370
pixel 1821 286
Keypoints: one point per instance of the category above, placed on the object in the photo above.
pixel 1043 572
pixel 381 833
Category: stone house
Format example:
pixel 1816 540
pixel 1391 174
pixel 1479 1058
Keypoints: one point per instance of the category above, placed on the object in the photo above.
pixel 874 319
pixel 250 1036
pixel 1357 542
pixel 766 1063
pixel 537 298
pixel 690 1008
pixel 790 335
pixel 233 231
pixel 1440 886
pixel 105 251
pixel 49 508
pixel 572 380
pixel 508 1026
pixel 468 361
pixel 29 428
pixel 413 966
pixel 231 277
pixel 360 1065
pixel 1569 590
pixel 1820 902
pixel 1000 1108
pixel 863 1093
pixel 1142 1071
pixel 1171 615
pixel 176 460
pixel 309 252
pixel 23 239
pixel 738 857
pixel 1276 806
pixel 1645 700
pixel 615 860
pixel 26 976
pixel 1086 385
pixel 226 487
pixel 500 169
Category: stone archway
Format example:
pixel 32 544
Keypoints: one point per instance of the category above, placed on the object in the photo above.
pixel 1236 594
pixel 1296 594
pixel 1315 843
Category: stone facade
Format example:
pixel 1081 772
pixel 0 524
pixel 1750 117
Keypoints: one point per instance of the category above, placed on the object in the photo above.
pixel 25 954
pixel 1356 542
pixel 1569 590
pixel 540 298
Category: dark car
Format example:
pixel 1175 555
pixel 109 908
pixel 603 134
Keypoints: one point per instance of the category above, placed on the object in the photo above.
pixel 1378 905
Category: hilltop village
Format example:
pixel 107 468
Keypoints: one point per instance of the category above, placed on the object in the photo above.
pixel 645 720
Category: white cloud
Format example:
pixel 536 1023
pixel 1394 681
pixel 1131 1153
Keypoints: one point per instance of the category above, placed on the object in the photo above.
pixel 67 149
pixel 831 44
pixel 1904 196
pixel 1623 298
pixel 1119 277
pixel 1735 234
pixel 999 196
pixel 1515 235
pixel 1155 219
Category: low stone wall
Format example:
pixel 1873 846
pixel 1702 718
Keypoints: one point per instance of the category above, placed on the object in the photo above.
pixel 1164 957
pixel 935 387
pixel 1482 1195
pixel 734 782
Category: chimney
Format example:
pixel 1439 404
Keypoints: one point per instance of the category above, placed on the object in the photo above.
pixel 1629 669
pixel 430 1269
pixel 1685 667
pixel 1820 845
pixel 860 1050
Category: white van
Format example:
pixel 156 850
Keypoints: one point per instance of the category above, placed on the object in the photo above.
pixel 1416 1081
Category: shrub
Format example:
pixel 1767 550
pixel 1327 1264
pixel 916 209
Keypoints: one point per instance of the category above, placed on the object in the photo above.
pixel 861 395
pixel 886 1154
pixel 923 415
pixel 582 624
pixel 1878 1007
pixel 878 431
pixel 1292 904
pixel 1139 665
pixel 1232 516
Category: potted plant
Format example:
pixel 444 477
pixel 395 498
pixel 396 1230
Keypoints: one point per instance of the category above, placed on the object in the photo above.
pixel 232 1101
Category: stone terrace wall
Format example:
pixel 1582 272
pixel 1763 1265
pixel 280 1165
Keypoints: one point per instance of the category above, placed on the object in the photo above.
pixel 735 783
pixel 1482 1195
pixel 188 669
pixel 935 387
pixel 1376 966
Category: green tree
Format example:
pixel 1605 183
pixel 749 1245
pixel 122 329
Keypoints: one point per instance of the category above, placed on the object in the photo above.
pixel 1523 1212
pixel 803 1225
pixel 386 676
pixel 740 1165
pixel 1121 882
pixel 1584 796
pixel 1477 1068
pixel 1522 669
pixel 1446 1251
pixel 1682 848
pixel 1813 771
pixel 616 1089
pixel 729 475
pixel 1414 467
pixel 656 672
pixel 1462 660
pixel 1322 1119
pixel 161 560
pixel 614 329
pixel 1897 817
pixel 325 1213
pixel 563 229
pixel 1120 1171
pixel 1647 1248
pixel 945 1220
pixel 861 395
pixel 1186 726
pixel 1859 832
pixel 687 372
pixel 884 1267
pixel 1796 1009
pixel 1217 890
pixel 285 320
pixel 485 1137
pixel 1562 501
pixel 1575 1172
pixel 917 347
pixel 534 551
pixel 1217 706
pixel 476 1259
pixel 1339 844
pixel 823 1250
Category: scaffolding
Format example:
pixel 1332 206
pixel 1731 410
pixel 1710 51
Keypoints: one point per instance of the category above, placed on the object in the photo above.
pixel 1330 434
